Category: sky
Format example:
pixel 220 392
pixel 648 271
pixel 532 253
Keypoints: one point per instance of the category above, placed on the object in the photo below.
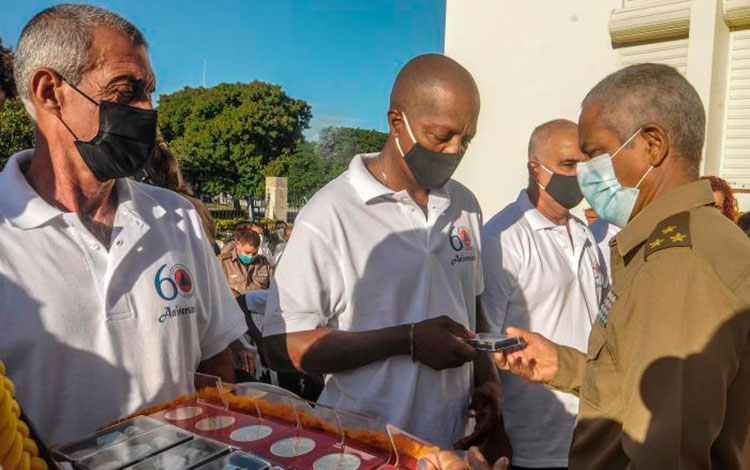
pixel 341 56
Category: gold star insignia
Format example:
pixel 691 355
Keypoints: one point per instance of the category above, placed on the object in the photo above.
pixel 669 229
pixel 656 243
pixel 678 237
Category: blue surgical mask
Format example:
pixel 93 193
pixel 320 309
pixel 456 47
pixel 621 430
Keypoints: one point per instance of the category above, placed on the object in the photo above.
pixel 612 201
pixel 246 259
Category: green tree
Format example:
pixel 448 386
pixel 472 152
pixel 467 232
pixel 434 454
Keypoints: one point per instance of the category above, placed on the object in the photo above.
pixel 337 146
pixel 16 130
pixel 229 135
pixel 305 173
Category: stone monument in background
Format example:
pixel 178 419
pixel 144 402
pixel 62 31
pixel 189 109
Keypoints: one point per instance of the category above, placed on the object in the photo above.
pixel 276 198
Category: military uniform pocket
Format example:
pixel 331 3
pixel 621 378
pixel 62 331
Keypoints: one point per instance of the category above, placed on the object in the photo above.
pixel 600 387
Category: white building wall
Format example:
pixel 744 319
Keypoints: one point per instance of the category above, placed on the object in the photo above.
pixel 534 61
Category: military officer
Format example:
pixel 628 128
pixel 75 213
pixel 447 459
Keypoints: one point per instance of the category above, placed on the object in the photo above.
pixel 667 374
pixel 243 267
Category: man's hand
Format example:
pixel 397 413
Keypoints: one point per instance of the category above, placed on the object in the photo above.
pixel 536 363
pixel 244 358
pixel 485 409
pixel 437 343
pixel 471 460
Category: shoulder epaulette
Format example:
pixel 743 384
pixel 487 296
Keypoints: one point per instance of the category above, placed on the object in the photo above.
pixel 226 255
pixel 669 233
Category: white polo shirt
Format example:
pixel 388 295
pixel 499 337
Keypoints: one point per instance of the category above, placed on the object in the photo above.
pixel 604 232
pixel 362 257
pixel 90 335
pixel 538 280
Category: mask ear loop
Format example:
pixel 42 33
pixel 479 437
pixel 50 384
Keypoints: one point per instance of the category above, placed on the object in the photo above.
pixel 644 176
pixel 548 171
pixel 82 94
pixel 79 91
pixel 408 129
pixel 626 142
pixel 68 128
pixel 623 146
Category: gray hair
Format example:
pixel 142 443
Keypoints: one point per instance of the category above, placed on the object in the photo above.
pixel 639 94
pixel 544 131
pixel 60 38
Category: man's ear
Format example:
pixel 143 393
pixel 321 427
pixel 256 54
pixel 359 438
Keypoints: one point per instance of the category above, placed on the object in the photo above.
pixel 46 90
pixel 533 167
pixel 395 122
pixel 658 143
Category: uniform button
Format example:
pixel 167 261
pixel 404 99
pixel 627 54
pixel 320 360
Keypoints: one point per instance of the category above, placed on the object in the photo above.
pixel 94 246
pixel 119 243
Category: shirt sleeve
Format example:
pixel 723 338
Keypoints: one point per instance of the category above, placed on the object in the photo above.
pixel 683 353
pixel 570 366
pixel 221 319
pixel 308 291
pixel 500 272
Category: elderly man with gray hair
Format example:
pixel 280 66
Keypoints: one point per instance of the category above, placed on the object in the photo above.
pixel 110 296
pixel 665 381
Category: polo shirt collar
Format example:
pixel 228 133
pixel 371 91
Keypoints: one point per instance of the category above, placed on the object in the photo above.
pixel 369 188
pixel 21 205
pixel 26 210
pixel 682 198
pixel 366 185
pixel 137 202
pixel 532 215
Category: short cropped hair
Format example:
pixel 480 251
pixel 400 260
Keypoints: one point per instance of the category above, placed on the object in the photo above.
pixel 60 38
pixel 545 131
pixel 657 93
pixel 248 237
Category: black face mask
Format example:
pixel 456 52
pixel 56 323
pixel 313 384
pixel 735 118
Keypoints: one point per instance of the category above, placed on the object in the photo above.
pixel 563 188
pixel 125 142
pixel 432 170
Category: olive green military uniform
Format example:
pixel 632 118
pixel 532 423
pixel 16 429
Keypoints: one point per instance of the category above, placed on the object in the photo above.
pixel 666 380
pixel 244 278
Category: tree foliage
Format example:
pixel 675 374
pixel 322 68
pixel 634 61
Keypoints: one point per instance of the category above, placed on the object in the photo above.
pixel 16 130
pixel 305 173
pixel 313 164
pixel 228 136
pixel 337 146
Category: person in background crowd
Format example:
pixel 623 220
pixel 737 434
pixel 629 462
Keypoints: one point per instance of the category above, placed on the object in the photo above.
pixel 744 223
pixel 110 297
pixel 386 267
pixel 543 271
pixel 723 197
pixel 163 170
pixel 283 232
pixel 265 249
pixel 249 275
pixel 665 382
pixel 591 216
pixel 7 83
pixel 256 227
pixel 228 245
pixel 245 269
